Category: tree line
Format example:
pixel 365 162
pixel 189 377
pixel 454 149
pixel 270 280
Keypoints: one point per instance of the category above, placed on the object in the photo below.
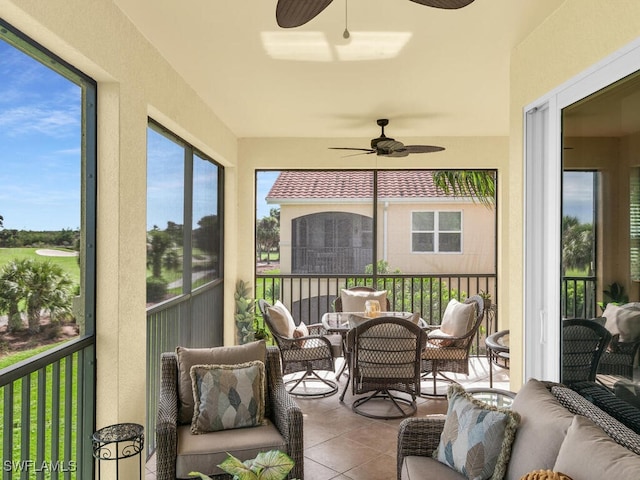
pixel 11 238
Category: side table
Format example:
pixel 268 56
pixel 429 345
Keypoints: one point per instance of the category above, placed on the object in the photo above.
pixel 497 351
pixel 119 441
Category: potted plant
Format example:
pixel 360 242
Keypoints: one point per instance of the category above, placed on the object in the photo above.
pixel 244 313
pixel 614 294
pixel 486 298
pixel 271 465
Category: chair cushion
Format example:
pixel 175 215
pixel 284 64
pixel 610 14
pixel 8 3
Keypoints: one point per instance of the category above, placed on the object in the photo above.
pixel 353 301
pixel 543 425
pixel 227 396
pixel 426 468
pixel 202 453
pixel 188 357
pixel 281 319
pixel 301 331
pixel 477 437
pixel 588 453
pixel 623 321
pixel 457 318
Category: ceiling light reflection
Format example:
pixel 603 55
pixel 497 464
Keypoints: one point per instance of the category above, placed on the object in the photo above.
pixel 308 46
pixel 373 46
pixel 315 47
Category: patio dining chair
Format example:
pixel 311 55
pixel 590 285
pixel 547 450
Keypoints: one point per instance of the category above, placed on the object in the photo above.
pixel 304 350
pixel 448 344
pixel 384 355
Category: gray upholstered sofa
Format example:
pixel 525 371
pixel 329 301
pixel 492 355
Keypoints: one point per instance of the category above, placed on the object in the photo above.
pixel 559 430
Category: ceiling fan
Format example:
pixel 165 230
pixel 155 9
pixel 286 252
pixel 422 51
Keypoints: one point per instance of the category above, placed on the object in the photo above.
pixel 389 147
pixel 293 13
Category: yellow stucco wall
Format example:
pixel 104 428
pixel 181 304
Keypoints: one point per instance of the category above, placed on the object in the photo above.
pixel 577 35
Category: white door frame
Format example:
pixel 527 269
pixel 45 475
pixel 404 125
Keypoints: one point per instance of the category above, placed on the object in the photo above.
pixel 542 207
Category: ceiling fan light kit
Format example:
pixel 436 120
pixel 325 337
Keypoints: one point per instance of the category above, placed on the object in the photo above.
pixel 389 147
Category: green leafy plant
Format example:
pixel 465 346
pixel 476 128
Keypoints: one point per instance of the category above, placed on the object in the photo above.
pixel 245 312
pixel 271 465
pixel 615 294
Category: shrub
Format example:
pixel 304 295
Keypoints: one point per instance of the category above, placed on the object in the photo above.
pixel 156 289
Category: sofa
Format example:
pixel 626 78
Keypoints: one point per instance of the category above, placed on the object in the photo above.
pixel 558 430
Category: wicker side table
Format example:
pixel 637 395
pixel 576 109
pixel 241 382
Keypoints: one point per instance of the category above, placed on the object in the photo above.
pixel 119 441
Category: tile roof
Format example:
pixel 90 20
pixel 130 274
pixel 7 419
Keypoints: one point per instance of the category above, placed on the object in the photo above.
pixel 301 184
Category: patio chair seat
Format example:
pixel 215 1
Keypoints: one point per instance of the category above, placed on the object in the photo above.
pixel 202 453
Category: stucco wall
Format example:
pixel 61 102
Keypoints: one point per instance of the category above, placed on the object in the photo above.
pixel 577 35
pixel 134 82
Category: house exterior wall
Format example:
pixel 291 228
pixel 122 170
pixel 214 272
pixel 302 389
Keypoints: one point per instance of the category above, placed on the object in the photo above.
pixel 394 236
pixel 576 36
pixel 478 240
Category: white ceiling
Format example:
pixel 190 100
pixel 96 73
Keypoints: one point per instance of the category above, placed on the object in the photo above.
pixel 450 78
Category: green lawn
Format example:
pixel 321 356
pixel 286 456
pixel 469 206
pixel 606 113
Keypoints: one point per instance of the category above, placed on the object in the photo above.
pixel 69 264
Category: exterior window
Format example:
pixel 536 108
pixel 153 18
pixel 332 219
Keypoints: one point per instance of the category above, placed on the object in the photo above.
pixel 183 228
pixel 436 232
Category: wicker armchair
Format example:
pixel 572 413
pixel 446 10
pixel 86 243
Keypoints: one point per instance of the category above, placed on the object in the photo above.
pixel 281 410
pixel 446 353
pixel 308 354
pixel 384 355
pixel 583 342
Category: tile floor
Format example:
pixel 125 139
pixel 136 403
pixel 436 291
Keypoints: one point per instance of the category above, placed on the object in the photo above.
pixel 342 445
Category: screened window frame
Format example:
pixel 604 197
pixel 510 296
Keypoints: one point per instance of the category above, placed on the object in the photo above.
pixel 437 232
pixel 84 345
pixel 190 153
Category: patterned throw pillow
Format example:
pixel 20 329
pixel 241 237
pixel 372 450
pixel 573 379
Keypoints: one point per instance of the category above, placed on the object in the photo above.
pixel 477 437
pixel 227 396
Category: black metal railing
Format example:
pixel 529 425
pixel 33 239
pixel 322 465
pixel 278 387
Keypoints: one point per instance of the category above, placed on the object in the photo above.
pixel 578 297
pixel 47 415
pixel 311 296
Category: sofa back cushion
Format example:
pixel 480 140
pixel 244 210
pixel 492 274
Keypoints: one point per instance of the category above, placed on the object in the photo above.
pixel 543 426
pixel 588 453
pixel 188 357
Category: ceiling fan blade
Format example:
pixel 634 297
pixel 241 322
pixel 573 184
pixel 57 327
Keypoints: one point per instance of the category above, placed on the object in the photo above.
pixel 366 150
pixel 397 153
pixel 423 148
pixel 293 13
pixel 446 4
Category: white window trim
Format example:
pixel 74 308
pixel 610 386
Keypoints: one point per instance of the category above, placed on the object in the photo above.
pixel 542 208
pixel 436 231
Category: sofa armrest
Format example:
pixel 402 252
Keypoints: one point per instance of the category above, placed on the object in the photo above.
pixel 419 436
pixel 285 413
pixel 167 418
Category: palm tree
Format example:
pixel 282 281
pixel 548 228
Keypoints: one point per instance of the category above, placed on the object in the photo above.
pixel 12 292
pixel 480 185
pixel 47 287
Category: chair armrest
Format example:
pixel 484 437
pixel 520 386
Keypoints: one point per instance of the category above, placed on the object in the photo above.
pixel 286 414
pixel 167 419
pixel 419 437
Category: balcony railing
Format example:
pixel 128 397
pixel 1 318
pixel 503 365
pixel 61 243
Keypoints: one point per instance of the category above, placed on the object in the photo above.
pixel 578 297
pixel 47 414
pixel 310 296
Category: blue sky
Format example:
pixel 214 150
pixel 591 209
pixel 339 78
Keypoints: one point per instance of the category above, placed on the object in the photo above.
pixel 40 114
pixel 264 181
pixel 577 193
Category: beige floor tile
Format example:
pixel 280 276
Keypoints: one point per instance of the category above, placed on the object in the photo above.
pixel 341 454
pixel 315 471
pixel 382 467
